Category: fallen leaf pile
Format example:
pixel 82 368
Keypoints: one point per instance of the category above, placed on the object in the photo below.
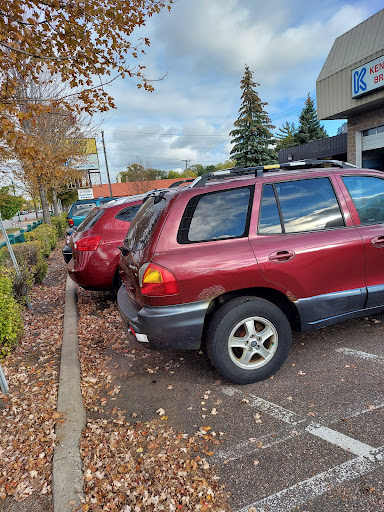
pixel 28 414
pixel 142 466
pixel 145 467
pixel 99 327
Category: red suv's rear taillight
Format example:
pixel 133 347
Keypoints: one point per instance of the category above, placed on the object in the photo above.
pixel 157 281
pixel 88 243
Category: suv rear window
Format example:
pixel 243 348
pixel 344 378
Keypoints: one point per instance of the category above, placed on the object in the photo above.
pixel 144 223
pixel 90 220
pixel 216 215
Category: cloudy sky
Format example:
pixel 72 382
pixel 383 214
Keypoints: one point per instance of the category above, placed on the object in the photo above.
pixel 200 48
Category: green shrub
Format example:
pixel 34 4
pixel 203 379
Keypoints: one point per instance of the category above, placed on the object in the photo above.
pixel 32 264
pixel 11 323
pixel 60 224
pixel 46 234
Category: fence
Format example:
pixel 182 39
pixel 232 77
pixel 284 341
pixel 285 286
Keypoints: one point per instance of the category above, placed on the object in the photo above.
pixel 19 237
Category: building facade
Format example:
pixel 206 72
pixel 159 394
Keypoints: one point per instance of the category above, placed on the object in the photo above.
pixel 351 86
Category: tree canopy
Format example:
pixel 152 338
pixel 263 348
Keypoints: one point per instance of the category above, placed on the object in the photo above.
pixel 286 136
pixel 87 43
pixel 83 45
pixel 252 137
pixel 309 128
pixel 9 204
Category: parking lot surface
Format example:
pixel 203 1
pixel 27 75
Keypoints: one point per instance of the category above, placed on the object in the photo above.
pixel 310 439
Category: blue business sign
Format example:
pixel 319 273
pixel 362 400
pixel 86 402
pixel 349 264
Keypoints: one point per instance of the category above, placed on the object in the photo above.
pixel 368 77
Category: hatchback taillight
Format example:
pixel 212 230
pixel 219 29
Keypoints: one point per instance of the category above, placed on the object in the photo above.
pixel 88 243
pixel 156 281
pixel 71 223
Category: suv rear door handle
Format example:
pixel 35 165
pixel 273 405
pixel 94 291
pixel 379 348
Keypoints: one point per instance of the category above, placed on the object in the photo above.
pixel 378 241
pixel 281 256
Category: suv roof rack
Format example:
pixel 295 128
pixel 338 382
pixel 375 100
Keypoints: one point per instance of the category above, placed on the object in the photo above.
pixel 259 170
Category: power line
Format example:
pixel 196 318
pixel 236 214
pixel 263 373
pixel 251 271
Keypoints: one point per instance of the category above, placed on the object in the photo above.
pixel 166 134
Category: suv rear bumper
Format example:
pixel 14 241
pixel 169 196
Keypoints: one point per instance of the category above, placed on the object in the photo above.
pixel 177 327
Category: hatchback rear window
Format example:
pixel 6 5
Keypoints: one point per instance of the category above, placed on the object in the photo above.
pixel 90 220
pixel 144 223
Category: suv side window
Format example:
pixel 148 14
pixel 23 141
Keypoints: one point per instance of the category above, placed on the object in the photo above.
pixel 216 215
pixel 269 220
pixel 304 205
pixel 367 193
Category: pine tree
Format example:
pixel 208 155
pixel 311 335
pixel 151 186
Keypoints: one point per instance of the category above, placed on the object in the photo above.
pixel 252 137
pixel 310 128
pixel 286 136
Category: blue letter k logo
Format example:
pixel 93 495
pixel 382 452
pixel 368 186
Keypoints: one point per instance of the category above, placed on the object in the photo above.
pixel 358 82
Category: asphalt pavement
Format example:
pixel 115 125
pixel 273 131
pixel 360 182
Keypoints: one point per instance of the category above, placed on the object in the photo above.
pixel 309 439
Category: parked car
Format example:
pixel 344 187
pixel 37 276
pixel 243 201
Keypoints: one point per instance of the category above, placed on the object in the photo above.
pixel 243 256
pixel 94 244
pixel 80 209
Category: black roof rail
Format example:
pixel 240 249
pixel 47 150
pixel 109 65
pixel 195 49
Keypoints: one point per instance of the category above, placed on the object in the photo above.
pixel 312 162
pixel 259 170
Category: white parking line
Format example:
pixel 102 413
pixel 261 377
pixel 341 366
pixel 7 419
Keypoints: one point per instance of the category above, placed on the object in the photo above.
pixel 361 355
pixel 245 448
pixel 270 408
pixel 302 492
pixel 341 440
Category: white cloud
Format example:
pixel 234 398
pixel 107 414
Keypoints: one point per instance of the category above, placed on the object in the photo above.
pixel 203 47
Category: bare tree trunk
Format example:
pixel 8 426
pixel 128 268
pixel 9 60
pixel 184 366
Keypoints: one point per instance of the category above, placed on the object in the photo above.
pixel 55 206
pixel 35 205
pixel 44 204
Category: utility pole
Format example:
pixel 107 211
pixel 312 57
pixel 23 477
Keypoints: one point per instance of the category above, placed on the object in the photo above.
pixel 186 167
pixel 106 164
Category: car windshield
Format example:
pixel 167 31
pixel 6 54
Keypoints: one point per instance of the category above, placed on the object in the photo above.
pixel 82 209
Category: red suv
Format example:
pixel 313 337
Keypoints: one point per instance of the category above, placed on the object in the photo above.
pixel 94 245
pixel 243 256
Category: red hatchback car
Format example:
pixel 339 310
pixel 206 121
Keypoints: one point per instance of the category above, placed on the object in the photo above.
pixel 243 256
pixel 95 252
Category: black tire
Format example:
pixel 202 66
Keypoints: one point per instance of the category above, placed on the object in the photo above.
pixel 116 282
pixel 248 328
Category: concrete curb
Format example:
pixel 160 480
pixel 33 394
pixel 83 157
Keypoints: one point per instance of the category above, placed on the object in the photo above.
pixel 67 466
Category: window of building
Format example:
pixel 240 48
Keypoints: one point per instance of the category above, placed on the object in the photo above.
pixel 373 131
